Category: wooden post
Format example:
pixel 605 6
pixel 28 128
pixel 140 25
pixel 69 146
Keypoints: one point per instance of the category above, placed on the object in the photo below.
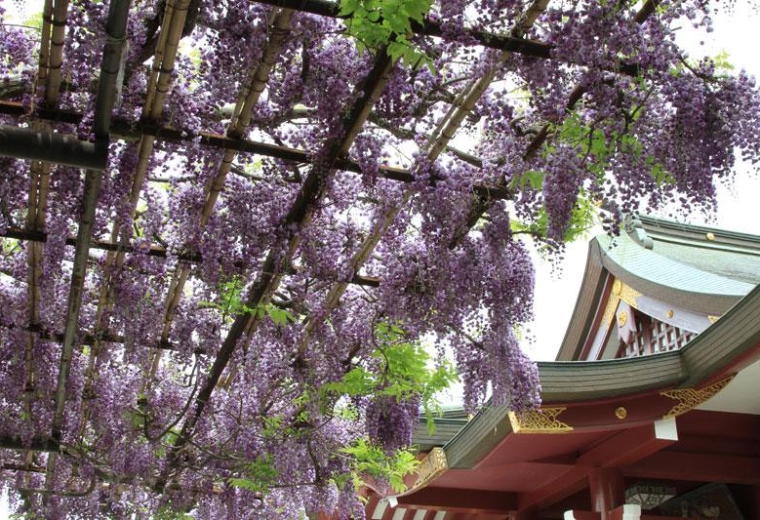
pixel 607 490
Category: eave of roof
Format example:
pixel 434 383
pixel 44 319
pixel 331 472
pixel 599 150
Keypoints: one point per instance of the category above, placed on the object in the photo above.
pixel 697 234
pixel 726 347
pixel 589 296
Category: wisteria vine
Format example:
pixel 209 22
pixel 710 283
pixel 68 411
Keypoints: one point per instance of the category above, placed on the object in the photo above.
pixel 319 395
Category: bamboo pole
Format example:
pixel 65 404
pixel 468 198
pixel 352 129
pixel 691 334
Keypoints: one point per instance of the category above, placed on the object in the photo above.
pixel 158 86
pixel 57 40
pixel 116 29
pixel 279 24
pixel 49 77
pixel 266 284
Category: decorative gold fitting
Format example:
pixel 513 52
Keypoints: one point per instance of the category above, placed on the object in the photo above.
pixel 543 420
pixel 622 318
pixel 621 413
pixel 688 398
pixel 431 467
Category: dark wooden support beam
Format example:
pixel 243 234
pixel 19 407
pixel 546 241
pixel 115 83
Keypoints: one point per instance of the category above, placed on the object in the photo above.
pixel 502 42
pixel 155 251
pixel 90 339
pixel 300 213
pixel 697 467
pixel 532 48
pixel 134 129
pixel 618 451
pixel 460 500
pixel 52 147
pixel 47 445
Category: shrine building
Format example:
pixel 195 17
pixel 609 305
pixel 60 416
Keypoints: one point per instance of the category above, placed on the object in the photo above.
pixel 650 412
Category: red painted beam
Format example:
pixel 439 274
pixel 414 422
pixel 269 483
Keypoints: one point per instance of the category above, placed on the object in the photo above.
pixel 630 446
pixel 607 491
pixel 627 447
pixel 697 467
pixel 460 500
pixel 558 489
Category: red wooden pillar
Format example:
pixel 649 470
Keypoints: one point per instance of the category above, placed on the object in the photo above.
pixel 529 514
pixel 607 490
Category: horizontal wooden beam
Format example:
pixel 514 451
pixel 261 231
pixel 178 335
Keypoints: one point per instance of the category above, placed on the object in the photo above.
pixel 532 48
pixel 631 445
pixel 697 467
pixel 52 147
pixel 626 447
pixel 154 251
pixel 502 42
pixel 558 489
pixel 134 129
pixel 460 500
pixel 35 444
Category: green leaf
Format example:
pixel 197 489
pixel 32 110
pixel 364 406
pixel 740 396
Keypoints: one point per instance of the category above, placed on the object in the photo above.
pixel 387 23
pixel 258 476
pixel 369 460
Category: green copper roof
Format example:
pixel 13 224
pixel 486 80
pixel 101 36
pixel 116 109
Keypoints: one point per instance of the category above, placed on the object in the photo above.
pixel 652 273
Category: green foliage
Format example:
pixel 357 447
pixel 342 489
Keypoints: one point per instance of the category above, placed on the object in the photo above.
pixel 165 512
pixel 406 372
pixel 259 476
pixel 367 459
pixel 377 23
pixel 722 62
pixel 597 148
pixel 582 220
pixel 231 304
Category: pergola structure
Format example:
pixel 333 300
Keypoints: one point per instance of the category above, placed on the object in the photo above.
pixel 105 276
pixel 623 413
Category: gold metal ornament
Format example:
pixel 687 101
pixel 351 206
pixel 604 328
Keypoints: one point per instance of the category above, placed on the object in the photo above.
pixel 689 398
pixel 431 467
pixel 543 420
pixel 622 318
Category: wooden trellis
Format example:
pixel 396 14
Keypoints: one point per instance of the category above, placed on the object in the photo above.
pixel 322 165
